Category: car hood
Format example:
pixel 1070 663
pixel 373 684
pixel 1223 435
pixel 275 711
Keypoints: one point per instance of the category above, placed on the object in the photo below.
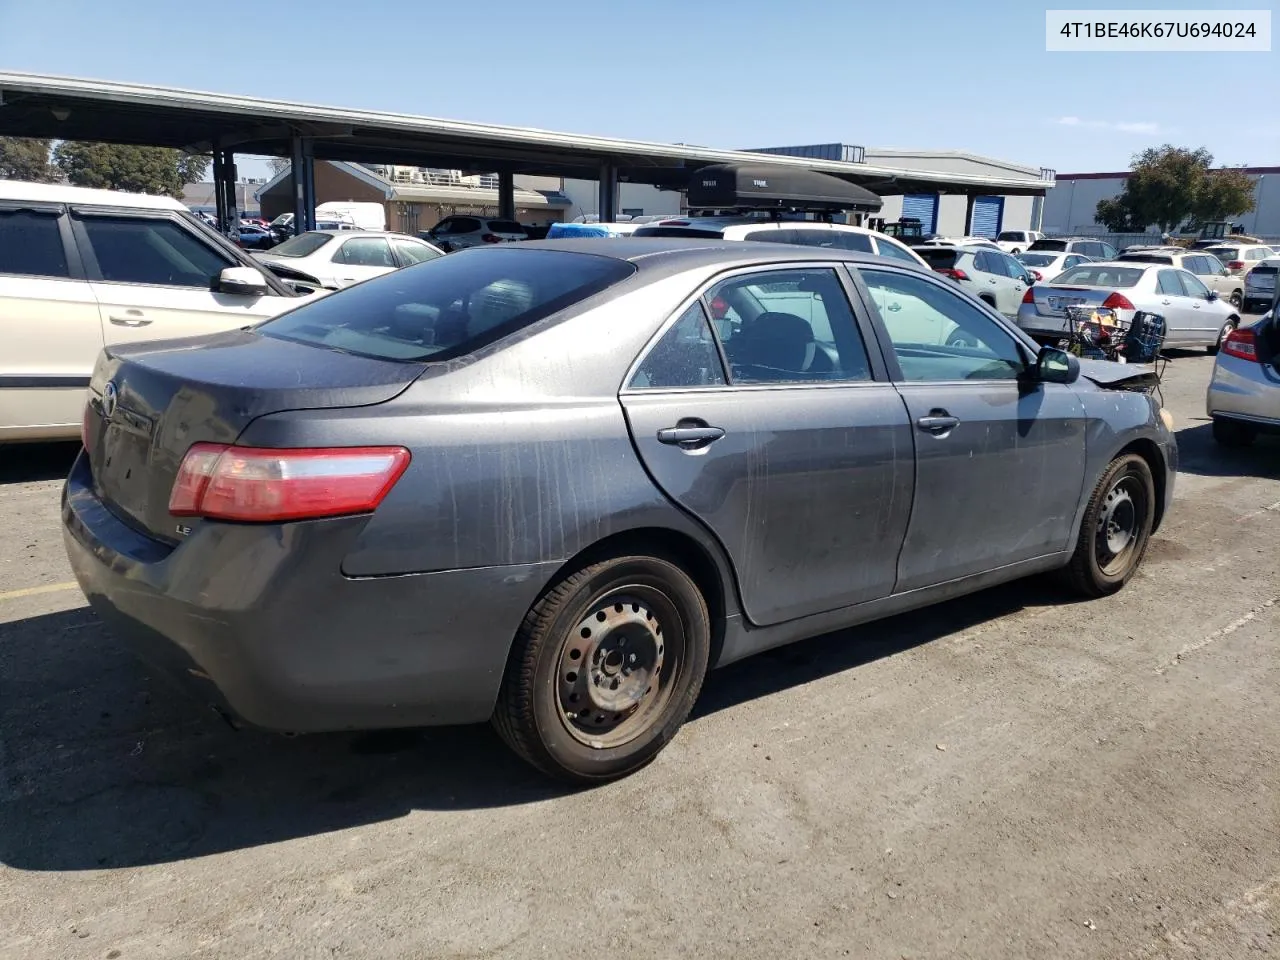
pixel 1123 376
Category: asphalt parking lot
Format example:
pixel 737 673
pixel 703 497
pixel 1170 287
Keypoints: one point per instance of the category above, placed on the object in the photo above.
pixel 1007 775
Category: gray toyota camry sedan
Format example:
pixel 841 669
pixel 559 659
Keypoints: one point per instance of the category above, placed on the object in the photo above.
pixel 551 484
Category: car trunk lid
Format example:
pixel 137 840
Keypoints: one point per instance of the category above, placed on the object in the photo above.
pixel 150 402
pixel 1053 300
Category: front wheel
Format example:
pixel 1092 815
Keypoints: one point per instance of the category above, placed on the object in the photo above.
pixel 1222 335
pixel 1116 528
pixel 605 669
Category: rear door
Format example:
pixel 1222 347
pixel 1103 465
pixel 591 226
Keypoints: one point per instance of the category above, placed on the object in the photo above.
pixel 798 456
pixel 50 334
pixel 155 277
pixel 1180 321
pixel 999 462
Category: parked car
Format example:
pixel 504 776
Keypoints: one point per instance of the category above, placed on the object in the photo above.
pixel 460 232
pixel 337 259
pixel 84 268
pixel 1240 258
pixel 1044 265
pixel 1260 286
pixel 989 274
pixel 1244 394
pixel 376 510
pixel 1097 249
pixel 253 237
pixel 809 233
pixel 1194 315
pixel 939 241
pixel 1199 262
pixel 1017 241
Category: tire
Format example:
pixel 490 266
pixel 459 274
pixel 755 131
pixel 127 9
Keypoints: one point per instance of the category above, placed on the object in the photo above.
pixel 1236 299
pixel 1233 433
pixel 628 714
pixel 989 301
pixel 1222 335
pixel 959 338
pixel 1104 560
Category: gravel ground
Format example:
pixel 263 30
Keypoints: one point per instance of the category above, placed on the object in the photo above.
pixel 1006 775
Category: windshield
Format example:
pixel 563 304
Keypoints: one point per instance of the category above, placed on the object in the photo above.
pixel 449 306
pixel 1147 258
pixel 1011 235
pixel 1100 275
pixel 1225 254
pixel 1036 259
pixel 1049 245
pixel 303 245
pixel 940 258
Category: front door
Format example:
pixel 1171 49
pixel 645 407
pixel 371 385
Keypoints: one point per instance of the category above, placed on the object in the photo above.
pixel 999 463
pixel 797 458
pixel 1207 316
pixel 154 279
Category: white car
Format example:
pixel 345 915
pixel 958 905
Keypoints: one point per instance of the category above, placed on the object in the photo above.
pixel 334 260
pixel 1044 265
pixel 810 233
pixel 85 269
pixel 1016 241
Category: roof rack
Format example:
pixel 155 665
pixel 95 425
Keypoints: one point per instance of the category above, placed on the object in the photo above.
pixel 762 186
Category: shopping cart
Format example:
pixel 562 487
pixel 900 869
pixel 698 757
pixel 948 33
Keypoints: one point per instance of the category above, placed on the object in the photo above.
pixel 1102 334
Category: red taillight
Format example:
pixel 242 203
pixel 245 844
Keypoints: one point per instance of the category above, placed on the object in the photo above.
pixel 1037 274
pixel 491 238
pixel 253 484
pixel 953 274
pixel 1235 265
pixel 1029 296
pixel 1242 343
pixel 1117 301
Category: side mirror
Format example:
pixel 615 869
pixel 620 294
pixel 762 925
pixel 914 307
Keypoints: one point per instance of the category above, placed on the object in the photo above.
pixel 1056 366
pixel 242 281
pixel 1029 280
pixel 1211 295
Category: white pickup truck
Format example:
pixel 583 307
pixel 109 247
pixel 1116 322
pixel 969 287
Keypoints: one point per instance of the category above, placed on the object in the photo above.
pixel 1017 241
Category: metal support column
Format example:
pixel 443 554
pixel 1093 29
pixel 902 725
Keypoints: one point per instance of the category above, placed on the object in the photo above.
pixel 219 193
pixel 968 214
pixel 302 178
pixel 506 196
pixel 608 207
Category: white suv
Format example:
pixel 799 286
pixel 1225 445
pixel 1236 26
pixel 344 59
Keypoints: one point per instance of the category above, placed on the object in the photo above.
pixel 83 269
pixel 809 233
pixel 1017 241
pixel 460 232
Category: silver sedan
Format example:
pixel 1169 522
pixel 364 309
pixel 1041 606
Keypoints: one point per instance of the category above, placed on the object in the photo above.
pixel 1244 395
pixel 1194 315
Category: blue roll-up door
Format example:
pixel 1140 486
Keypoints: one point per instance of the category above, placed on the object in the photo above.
pixel 923 207
pixel 987 214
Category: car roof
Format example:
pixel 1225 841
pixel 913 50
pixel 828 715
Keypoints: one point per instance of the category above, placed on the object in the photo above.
pixel 351 234
pixel 60 193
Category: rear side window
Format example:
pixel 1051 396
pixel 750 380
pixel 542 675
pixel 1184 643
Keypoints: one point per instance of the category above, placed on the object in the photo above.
pixel 366 252
pixel 450 306
pixel 153 252
pixel 1168 284
pixel 412 253
pixel 686 356
pixel 1225 254
pixel 30 244
pixel 464 225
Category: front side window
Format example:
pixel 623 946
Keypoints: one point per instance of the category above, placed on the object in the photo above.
pixel 1192 285
pixel 685 356
pixel 152 251
pixel 449 306
pixel 31 244
pixel 411 253
pixel 938 335
pixel 367 252
pixel 794 326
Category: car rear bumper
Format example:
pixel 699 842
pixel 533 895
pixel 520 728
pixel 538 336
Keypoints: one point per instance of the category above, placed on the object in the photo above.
pixel 1244 390
pixel 259 621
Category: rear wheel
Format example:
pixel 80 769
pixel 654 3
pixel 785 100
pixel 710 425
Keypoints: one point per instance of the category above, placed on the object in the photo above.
pixel 1222 335
pixel 1236 298
pixel 1116 528
pixel 1233 433
pixel 605 669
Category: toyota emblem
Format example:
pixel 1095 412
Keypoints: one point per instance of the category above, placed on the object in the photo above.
pixel 109 398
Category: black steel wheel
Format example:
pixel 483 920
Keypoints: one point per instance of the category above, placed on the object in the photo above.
pixel 1116 528
pixel 1236 299
pixel 605 669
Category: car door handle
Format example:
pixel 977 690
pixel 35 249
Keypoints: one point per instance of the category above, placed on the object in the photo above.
pixel 131 318
pixel 1165 302
pixel 993 280
pixel 938 422
pixel 690 434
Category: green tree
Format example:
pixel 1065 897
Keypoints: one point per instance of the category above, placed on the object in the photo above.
pixel 153 170
pixel 23 159
pixel 278 165
pixel 1168 185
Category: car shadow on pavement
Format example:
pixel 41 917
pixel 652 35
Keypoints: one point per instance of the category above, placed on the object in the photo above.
pixel 103 765
pixel 29 462
pixel 1200 454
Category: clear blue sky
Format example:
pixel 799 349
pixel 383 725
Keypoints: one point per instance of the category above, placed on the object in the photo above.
pixel 724 73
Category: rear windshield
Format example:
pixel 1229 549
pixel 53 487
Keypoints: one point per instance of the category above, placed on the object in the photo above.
pixel 449 306
pixel 938 258
pixel 1049 245
pixel 1146 258
pixel 1011 235
pixel 688 232
pixel 303 245
pixel 1035 259
pixel 1225 254
pixel 1104 275
pixel 505 226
